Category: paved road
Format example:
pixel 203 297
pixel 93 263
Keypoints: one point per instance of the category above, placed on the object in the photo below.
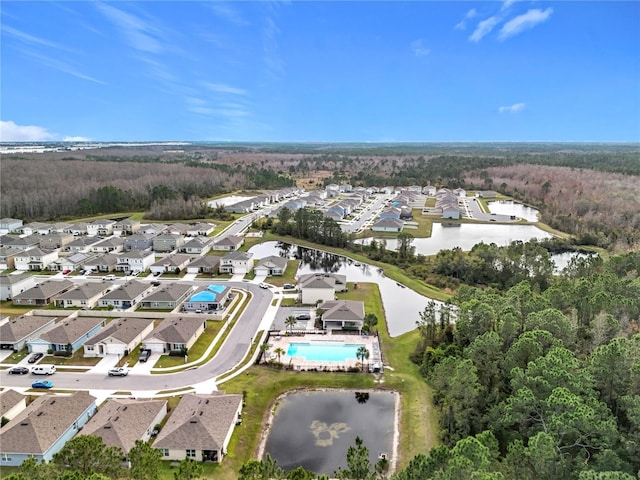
pixel 230 354
pixel 476 212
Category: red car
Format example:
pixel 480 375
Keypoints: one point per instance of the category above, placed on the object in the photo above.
pixel 66 272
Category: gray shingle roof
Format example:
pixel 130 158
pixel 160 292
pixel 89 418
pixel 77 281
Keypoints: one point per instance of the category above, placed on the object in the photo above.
pixel 200 422
pixel 120 422
pixel 343 310
pixel 45 290
pixel 169 293
pixel 9 399
pixel 6 280
pixel 85 291
pixel 20 327
pixel 128 291
pixel 69 330
pixel 273 261
pixel 175 329
pixel 36 428
pixel 124 330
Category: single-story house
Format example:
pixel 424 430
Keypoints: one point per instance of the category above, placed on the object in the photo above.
pixel 390 212
pixel 43 293
pixel 119 337
pixel 11 403
pixel 167 297
pixel 77 229
pixel 81 244
pixel 34 259
pixel 37 228
pixel 272 265
pixel 342 315
pixel 9 225
pixel 178 229
pixel 451 211
pixel 197 246
pixel 71 262
pixel 24 243
pixel 55 240
pixel 106 262
pixel 12 285
pixel 228 243
pixel 74 331
pixel 139 241
pixel 236 262
pixel 209 299
pixel 175 334
pixel 201 229
pixel 108 245
pixel 42 429
pixel 127 295
pixel 316 287
pixel 122 421
pixel 135 261
pixel 208 264
pixel 200 427
pixel 85 295
pixel 170 263
pixel 167 242
pixel 153 228
pixel 15 332
pixel 388 225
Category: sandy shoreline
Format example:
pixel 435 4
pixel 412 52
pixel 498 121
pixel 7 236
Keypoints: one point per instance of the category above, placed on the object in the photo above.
pixel 267 421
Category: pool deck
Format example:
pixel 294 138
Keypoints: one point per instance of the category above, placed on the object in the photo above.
pixel 302 364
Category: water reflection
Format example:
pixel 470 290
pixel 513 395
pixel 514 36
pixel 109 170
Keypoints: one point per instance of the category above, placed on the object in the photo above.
pixel 402 305
pixel 509 207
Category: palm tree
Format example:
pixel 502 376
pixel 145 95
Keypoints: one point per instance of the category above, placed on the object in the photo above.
pixel 362 353
pixel 263 349
pixel 279 352
pixel 290 322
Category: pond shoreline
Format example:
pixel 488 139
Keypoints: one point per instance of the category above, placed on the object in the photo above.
pixel 273 406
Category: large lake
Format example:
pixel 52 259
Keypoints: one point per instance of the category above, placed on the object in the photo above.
pixel 314 429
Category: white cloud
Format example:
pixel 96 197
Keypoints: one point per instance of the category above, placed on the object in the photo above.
pixel 462 25
pixel 524 22
pixel 516 107
pixel 140 34
pixel 484 28
pixel 10 132
pixel 31 40
pixel 226 11
pixel 419 49
pixel 222 88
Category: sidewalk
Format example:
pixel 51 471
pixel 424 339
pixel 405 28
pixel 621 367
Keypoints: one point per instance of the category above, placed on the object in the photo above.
pixel 106 364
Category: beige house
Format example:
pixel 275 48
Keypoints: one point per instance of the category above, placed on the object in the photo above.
pixel 200 428
pixel 34 259
pixel 85 295
pixel 175 334
pixel 119 337
pixel 320 287
pixel 342 315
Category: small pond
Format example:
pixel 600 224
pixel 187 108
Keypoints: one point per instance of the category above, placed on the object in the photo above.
pixel 230 200
pixel 314 429
pixel 402 305
pixel 561 260
pixel 509 207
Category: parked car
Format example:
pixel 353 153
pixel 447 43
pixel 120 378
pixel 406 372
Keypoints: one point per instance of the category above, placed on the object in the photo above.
pixel 288 286
pixel 66 272
pixel 42 384
pixel 43 370
pixel 263 285
pixel 145 353
pixel 303 316
pixel 35 357
pixel 119 372
pixel 109 277
pixel 18 371
pixel 156 283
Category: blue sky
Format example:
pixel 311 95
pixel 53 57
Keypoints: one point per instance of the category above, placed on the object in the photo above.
pixel 331 71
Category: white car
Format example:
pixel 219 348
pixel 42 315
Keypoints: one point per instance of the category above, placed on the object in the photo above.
pixel 119 372
pixel 109 277
pixel 264 285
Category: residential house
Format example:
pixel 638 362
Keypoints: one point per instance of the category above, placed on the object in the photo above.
pixel 81 244
pixel 202 229
pixel 197 246
pixel 334 215
pixel 429 190
pixel 102 227
pixel 209 299
pixel 37 228
pixel 200 427
pixel 59 227
pixel 15 332
pixel 122 421
pixel 43 293
pixel 316 287
pixel 272 265
pixel 390 212
pixel 24 243
pixel 78 229
pixel 167 297
pixel 171 263
pixel 175 334
pixel 11 403
pixel 139 241
pixel 8 258
pixel 67 335
pixel 119 337
pixel 72 262
pixel 153 228
pixel 42 429
pixel 236 263
pixel 10 225
pixel 342 315
pixel 34 259
pixel 135 261
pixel 126 227
pixel 12 285
pixel 451 211
pixel 167 242
pixel 108 245
pixel 126 296
pixel 106 262
pixel 85 295
pixel 460 192
pixel 388 225
pixel 207 264
pixel 229 243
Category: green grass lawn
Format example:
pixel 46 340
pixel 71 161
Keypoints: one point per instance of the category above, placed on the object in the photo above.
pixel 16 356
pixel 74 360
pixel 197 350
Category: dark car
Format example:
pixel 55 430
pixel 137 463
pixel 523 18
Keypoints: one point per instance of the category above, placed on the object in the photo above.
pixel 288 286
pixel 35 357
pixel 303 316
pixel 18 371
pixel 145 354
pixel 156 283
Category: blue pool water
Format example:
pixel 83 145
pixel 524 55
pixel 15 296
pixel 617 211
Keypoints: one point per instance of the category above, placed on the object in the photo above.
pixel 324 352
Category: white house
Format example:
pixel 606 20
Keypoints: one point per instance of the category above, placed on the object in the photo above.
pixel 119 338
pixel 9 225
pixel 236 263
pixel 315 287
pixel 12 285
pixel 135 261
pixel 34 259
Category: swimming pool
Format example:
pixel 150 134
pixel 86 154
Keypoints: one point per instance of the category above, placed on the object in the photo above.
pixel 324 351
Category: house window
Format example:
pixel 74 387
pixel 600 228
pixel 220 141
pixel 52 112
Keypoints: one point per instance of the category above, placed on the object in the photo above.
pixel 116 302
pixel 165 452
pixel 191 453
pixel 83 302
pixel 6 457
